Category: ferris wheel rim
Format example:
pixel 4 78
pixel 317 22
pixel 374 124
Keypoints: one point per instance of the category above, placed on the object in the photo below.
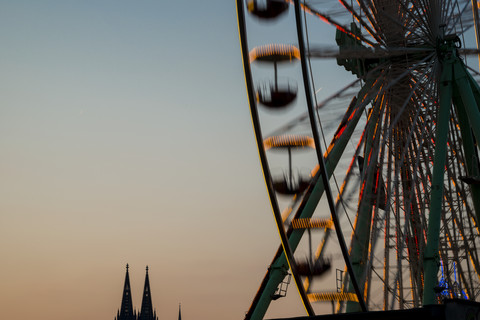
pixel 464 51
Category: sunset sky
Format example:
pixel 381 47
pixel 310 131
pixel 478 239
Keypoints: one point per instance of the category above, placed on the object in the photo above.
pixel 126 138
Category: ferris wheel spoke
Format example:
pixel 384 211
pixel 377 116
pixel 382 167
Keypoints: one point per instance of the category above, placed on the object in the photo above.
pixel 446 13
pixel 457 17
pixel 414 238
pixel 407 233
pixel 339 202
pixel 379 53
pixel 406 22
pixel 397 115
pixel 378 219
pixel 358 17
pixel 418 19
pixel 451 229
pixel 302 118
pixel 458 221
pixel 369 13
pixel 336 147
pixel 327 18
pixel 360 241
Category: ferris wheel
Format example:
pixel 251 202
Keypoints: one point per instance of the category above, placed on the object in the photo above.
pixel 375 185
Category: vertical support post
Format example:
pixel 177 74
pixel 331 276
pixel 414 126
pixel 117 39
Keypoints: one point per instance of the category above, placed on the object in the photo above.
pixel 468 146
pixel 463 85
pixel 431 258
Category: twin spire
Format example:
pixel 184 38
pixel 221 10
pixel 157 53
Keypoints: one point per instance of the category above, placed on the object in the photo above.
pixel 127 312
pixel 147 313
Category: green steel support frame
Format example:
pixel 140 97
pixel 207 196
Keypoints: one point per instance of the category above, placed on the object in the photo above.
pixel 457 86
pixel 431 257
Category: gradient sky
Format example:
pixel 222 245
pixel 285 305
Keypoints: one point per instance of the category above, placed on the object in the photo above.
pixel 125 137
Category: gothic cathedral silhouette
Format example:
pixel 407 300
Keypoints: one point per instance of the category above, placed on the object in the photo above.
pixel 127 312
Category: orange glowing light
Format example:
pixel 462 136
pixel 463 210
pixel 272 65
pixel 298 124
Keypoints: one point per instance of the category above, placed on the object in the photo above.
pixel 312 223
pixel 332 296
pixel 275 53
pixel 289 141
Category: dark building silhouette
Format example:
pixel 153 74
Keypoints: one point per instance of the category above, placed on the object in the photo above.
pixel 147 313
pixel 126 311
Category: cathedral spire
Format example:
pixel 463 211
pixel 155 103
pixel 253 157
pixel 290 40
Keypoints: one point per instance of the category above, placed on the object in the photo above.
pixel 146 313
pixel 126 310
